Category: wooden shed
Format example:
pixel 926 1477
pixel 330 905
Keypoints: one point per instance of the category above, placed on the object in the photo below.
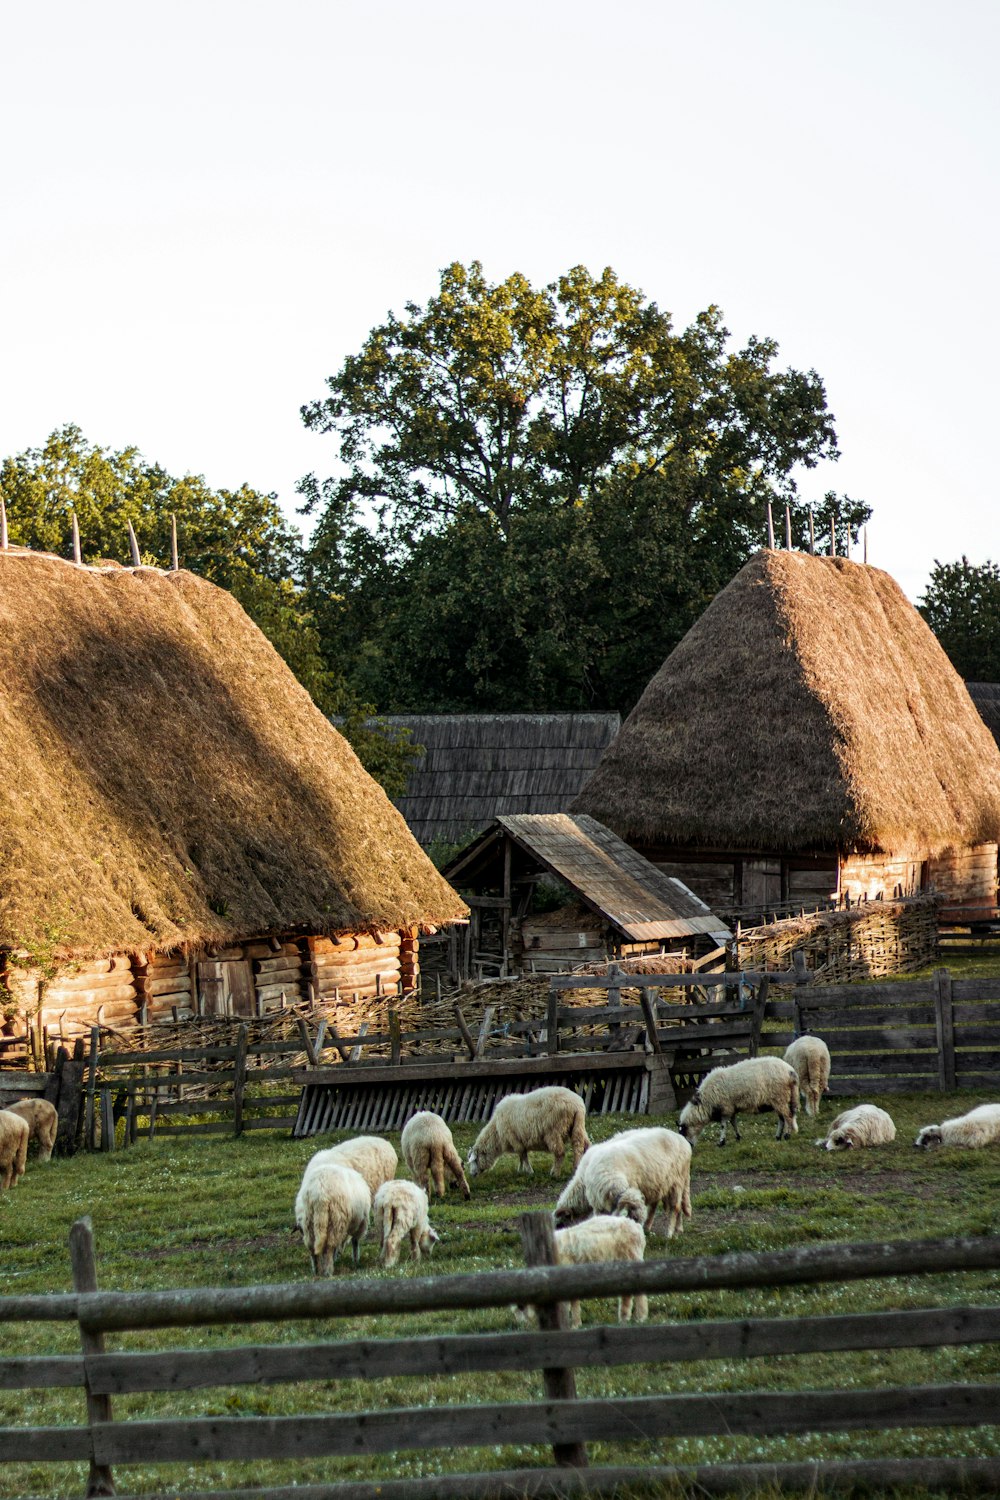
pixel 620 904
pixel 807 739
pixel 181 829
pixel 474 767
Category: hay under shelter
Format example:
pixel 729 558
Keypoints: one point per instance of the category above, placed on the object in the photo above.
pixel 180 826
pixel 807 739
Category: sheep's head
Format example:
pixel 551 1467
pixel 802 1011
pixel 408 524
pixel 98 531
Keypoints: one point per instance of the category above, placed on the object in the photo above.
pixel 428 1240
pixel 929 1136
pixel 472 1163
pixel 842 1140
pixel 693 1119
pixel 632 1205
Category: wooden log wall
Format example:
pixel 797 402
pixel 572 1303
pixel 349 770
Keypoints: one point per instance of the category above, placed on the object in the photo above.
pixel 360 963
pixel 165 986
pixel 279 969
pixel 97 992
pixel 966 877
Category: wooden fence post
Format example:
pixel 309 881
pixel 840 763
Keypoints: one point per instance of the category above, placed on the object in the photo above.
pixel 395 1038
pixel 240 1079
pixel 81 1253
pixel 614 993
pixel 485 1027
pixel 552 1033
pixel 90 1127
pixel 538 1240
pixel 945 1021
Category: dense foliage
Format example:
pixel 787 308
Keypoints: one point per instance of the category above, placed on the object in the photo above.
pixel 540 491
pixel 962 607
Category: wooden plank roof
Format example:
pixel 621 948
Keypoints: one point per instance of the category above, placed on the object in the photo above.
pixel 477 766
pixel 627 890
pixel 986 697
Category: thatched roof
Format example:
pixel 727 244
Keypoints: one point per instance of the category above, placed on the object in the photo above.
pixel 809 708
pixel 476 767
pixel 165 780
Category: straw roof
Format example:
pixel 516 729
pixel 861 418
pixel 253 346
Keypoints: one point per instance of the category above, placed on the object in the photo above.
pixel 986 697
pixel 809 708
pixel 476 767
pixel 167 782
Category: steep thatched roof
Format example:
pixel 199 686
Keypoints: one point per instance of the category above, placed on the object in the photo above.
pixel 164 779
pixel 476 767
pixel 809 708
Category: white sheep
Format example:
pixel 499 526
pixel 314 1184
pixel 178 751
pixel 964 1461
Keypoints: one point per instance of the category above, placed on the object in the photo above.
pixel 428 1150
pixel 370 1155
pixel 401 1211
pixel 980 1127
pixel 42 1120
pixel 864 1125
pixel 333 1206
pixel 604 1237
pixel 14 1135
pixel 546 1119
pixel 744 1087
pixel 632 1172
pixel 810 1057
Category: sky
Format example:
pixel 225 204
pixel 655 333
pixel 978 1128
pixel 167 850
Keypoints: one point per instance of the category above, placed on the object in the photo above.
pixel 204 207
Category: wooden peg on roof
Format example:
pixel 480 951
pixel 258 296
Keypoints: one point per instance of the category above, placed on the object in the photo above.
pixel 788 529
pixel 770 527
pixel 175 565
pixel 812 531
pixel 833 537
pixel 865 552
pixel 134 546
pixel 3 527
pixel 77 554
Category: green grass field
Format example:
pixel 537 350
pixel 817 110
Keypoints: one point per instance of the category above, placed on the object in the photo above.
pixel 217 1211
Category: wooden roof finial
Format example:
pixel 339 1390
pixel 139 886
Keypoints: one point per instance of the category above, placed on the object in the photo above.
pixel 174 563
pixel 833 537
pixel 865 553
pixel 3 526
pixel 812 531
pixel 77 554
pixel 788 529
pixel 134 546
pixel 770 527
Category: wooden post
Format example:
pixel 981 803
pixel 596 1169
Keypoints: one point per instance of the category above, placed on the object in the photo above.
pixel 833 537
pixel 133 546
pixel 77 554
pixel 788 528
pixel 395 1038
pixel 307 1043
pixel 649 1015
pixel 107 1121
pixel 538 1241
pixel 240 1079
pixel 507 909
pixel 812 531
pixel 944 1018
pixel 770 527
pixel 320 1037
pixel 552 1032
pixel 615 994
pixel 865 551
pixel 484 1031
pixel 90 1125
pixel 463 1028
pixel 100 1481
pixel 4 544
pixel 356 1051
pixel 174 563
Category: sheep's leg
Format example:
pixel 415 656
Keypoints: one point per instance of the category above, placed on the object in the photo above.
pixel 624 1309
pixel 525 1165
pixel 558 1157
pixel 641 1308
pixel 438 1168
pixel 415 1245
pixel 736 1127
pixel 356 1249
pixel 722 1131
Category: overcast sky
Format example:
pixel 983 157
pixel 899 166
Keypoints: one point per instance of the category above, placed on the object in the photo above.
pixel 205 207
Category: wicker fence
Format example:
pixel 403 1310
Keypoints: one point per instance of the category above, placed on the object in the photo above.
pixel 551 1415
pixel 873 940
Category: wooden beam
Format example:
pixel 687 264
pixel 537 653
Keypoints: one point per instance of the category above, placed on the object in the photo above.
pixel 84 1265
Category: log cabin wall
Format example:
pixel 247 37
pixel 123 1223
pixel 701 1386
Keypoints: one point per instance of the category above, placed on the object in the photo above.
pixel 966 877
pixel 871 877
pixel 359 964
pixel 730 879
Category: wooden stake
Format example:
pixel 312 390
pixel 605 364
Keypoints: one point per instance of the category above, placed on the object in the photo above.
pixel 174 563
pixel 83 1261
pixel 865 534
pixel 812 532
pixel 538 1242
pixel 134 546
pixel 3 527
pixel 833 538
pixel 77 555
pixel 770 527
pixel 788 529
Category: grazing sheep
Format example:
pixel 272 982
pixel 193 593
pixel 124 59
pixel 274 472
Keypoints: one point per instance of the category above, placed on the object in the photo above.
pixel 864 1125
pixel 428 1149
pixel 401 1211
pixel 370 1155
pixel 980 1127
pixel 633 1172
pixel 546 1119
pixel 604 1237
pixel 14 1133
pixel 810 1057
pixel 333 1206
pixel 752 1085
pixel 42 1120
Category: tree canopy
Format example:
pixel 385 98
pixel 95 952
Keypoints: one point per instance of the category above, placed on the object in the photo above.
pixel 962 606
pixel 538 491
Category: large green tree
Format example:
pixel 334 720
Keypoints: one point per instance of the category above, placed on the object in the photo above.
pixel 237 538
pixel 961 604
pixel 538 491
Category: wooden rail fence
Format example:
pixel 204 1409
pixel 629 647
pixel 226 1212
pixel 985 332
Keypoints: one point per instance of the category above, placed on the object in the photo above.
pixel 561 1420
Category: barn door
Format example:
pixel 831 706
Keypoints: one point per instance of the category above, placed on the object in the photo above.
pixel 761 883
pixel 226 988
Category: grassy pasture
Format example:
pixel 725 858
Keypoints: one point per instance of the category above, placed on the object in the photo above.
pixel 218 1211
